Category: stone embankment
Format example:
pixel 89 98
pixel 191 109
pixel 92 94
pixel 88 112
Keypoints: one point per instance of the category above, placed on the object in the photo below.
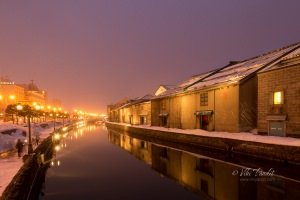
pixel 26 183
pixel 211 146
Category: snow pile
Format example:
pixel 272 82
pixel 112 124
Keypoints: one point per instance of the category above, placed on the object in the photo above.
pixel 8 141
pixel 8 126
pixel 14 132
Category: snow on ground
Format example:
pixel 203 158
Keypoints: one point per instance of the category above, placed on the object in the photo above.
pixel 10 165
pixel 8 141
pixel 8 169
pixel 243 136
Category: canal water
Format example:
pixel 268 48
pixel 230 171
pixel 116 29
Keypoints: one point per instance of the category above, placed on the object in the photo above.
pixel 94 163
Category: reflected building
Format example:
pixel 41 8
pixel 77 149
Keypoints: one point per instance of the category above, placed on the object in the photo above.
pixel 208 177
pixel 201 175
pixel 139 148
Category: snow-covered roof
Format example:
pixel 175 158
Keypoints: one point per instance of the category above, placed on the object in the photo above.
pixel 180 87
pixel 161 89
pixel 291 55
pixel 137 100
pixel 194 79
pixel 239 71
pixel 234 72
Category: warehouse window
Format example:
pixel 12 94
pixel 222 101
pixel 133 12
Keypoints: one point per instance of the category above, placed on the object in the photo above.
pixel 278 98
pixel 204 99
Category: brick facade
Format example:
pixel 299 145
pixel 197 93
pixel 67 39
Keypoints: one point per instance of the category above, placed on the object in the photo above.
pixel 287 79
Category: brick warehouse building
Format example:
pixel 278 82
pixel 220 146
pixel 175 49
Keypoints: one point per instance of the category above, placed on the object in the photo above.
pixel 279 97
pixel 224 99
pixel 260 93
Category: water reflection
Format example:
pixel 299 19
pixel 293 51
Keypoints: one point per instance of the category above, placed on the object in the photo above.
pixel 60 139
pixel 209 177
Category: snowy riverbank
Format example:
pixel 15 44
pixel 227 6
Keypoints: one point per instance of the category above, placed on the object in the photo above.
pixel 282 149
pixel 243 136
pixel 9 165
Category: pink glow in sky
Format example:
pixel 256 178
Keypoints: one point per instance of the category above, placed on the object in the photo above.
pixel 90 53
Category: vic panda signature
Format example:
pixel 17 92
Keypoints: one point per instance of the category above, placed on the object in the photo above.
pixel 249 172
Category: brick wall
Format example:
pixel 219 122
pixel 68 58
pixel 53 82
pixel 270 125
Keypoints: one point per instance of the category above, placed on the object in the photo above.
pixel 288 80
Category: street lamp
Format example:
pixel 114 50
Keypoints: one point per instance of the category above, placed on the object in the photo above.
pixel 20 108
pixel 56 116
pixel 51 115
pixel 12 97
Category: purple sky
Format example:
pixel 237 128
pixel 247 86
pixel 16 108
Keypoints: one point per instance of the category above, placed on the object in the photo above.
pixel 90 53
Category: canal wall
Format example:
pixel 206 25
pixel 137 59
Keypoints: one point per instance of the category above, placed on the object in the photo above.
pixel 240 148
pixel 28 180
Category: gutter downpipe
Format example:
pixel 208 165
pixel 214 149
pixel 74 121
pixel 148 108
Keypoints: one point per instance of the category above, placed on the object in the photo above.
pixel 214 110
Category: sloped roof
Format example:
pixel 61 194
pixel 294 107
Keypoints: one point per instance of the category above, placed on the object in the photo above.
pixel 239 71
pixel 162 89
pixel 291 55
pixel 194 79
pixel 180 87
pixel 137 100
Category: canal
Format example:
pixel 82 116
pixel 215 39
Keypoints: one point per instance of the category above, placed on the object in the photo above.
pixel 94 163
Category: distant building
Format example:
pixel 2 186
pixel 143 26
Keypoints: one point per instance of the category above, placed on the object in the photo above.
pixel 113 111
pixel 166 107
pixel 34 95
pixel 136 112
pixel 10 93
pixel 279 97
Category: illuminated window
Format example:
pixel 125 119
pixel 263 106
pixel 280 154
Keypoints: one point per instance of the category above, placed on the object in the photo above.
pixel 12 97
pixel 278 98
pixel 204 99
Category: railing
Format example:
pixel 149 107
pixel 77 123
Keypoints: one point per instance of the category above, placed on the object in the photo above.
pixel 27 183
pixel 24 184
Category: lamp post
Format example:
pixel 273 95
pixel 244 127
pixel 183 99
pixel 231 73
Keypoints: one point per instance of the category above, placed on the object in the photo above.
pixel 51 115
pixel 54 118
pixel 20 108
